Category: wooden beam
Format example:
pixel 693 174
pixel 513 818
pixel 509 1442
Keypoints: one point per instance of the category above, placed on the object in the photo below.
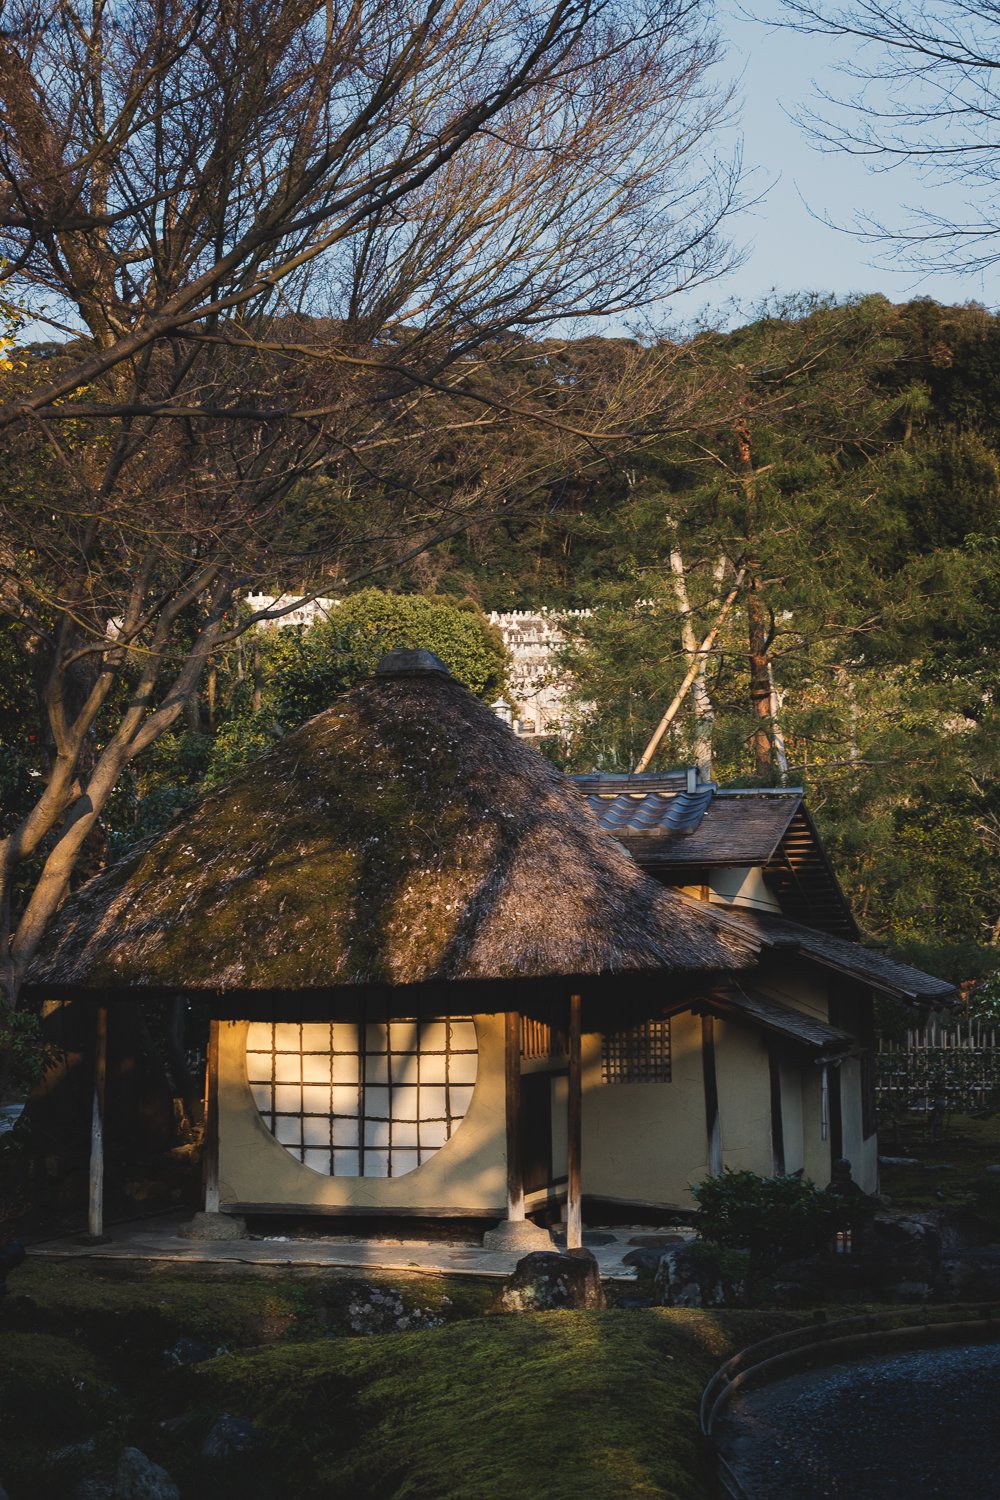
pixel 95 1204
pixel 712 1126
pixel 512 1080
pixel 777 1123
pixel 574 1120
pixel 210 1151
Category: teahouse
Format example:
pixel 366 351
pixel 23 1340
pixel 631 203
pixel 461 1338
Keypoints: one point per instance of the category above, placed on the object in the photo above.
pixel 440 984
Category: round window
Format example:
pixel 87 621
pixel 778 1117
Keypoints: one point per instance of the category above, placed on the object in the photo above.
pixel 363 1099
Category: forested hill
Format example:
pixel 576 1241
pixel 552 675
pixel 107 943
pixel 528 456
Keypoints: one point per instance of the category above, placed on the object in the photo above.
pixel 837 466
pixel 849 458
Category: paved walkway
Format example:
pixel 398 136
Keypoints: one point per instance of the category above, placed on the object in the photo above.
pixel 158 1240
pixel 918 1426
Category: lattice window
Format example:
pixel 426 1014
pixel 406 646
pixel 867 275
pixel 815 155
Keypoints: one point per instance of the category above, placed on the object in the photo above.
pixel 638 1054
pixel 362 1098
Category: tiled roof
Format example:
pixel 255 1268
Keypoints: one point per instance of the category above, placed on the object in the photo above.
pixel 674 826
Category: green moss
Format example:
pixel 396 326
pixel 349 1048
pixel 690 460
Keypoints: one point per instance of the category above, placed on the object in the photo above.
pixel 950 1172
pixel 554 1405
pixel 566 1405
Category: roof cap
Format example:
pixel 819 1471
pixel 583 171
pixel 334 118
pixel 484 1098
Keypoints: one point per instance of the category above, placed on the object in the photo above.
pixel 404 662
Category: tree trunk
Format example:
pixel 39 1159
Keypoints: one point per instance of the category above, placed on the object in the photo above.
pixel 758 632
pixel 760 681
pixel 701 701
pixel 780 753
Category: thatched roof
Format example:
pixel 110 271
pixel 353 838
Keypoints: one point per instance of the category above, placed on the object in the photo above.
pixel 403 836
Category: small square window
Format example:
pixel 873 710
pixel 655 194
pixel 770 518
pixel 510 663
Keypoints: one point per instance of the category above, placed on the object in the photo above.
pixel 345 1068
pixel 288 1067
pixel 432 1103
pixel 404 1103
pixel 638 1054
pixel 377 1133
pixel 316 1132
pixel 344 1131
pixel 316 1068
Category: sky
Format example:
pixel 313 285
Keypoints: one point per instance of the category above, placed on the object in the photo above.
pixel 789 249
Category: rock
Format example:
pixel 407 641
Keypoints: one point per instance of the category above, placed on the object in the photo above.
pixel 549 1279
pixel 191 1352
pixel 891 1250
pixel 898 1161
pixel 228 1436
pixel 646 1262
pixel 590 1237
pixel 138 1478
pixel 995 1167
pixel 214 1227
pixel 93 1489
pixel 970 1275
pixel 694 1276
pixel 517 1237
pixel 657 1241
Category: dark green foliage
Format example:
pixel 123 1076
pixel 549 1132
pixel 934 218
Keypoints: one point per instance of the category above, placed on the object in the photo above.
pixel 774 1219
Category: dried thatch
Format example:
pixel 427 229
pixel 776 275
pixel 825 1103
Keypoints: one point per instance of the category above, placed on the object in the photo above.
pixel 403 836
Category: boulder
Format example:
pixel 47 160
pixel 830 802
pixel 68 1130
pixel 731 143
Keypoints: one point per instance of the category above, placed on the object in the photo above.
pixel 229 1436
pixel 697 1275
pixel 898 1249
pixel 93 1489
pixel 646 1262
pixel 550 1279
pixel 590 1237
pixel 664 1241
pixel 969 1275
pixel 138 1478
pixel 190 1352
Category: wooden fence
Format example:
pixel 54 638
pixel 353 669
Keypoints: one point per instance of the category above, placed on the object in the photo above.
pixel 955 1067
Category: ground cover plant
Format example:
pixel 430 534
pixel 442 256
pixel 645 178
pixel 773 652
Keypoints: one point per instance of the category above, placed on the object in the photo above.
pixel 482 1405
pixel 928 1170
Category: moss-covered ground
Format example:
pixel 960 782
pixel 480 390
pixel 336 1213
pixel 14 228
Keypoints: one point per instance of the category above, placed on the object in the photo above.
pixel 550 1405
pixel 948 1167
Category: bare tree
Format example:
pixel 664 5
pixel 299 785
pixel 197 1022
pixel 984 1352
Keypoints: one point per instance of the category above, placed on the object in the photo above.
pixel 920 89
pixel 304 259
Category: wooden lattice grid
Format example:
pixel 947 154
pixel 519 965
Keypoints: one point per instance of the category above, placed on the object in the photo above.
pixel 637 1054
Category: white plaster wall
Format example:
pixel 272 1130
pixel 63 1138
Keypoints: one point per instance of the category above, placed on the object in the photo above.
pixel 816 1153
pixel 862 1154
pixel 791 1115
pixel 644 1142
pixel 468 1173
pixel 744 1083
pixel 742 885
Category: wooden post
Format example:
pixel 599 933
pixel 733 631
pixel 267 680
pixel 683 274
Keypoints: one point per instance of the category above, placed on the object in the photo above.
pixel 210 1154
pixel 95 1205
pixel 712 1126
pixel 777 1124
pixel 574 1118
pixel 512 1079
